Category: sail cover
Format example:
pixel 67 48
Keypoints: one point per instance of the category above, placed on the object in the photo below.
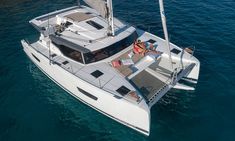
pixel 99 6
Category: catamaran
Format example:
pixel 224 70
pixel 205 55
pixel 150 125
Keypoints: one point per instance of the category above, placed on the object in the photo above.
pixel 113 67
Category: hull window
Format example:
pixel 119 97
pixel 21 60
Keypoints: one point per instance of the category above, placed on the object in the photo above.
pixel 87 94
pixel 35 57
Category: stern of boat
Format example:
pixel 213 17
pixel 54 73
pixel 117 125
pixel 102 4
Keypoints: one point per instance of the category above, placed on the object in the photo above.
pixel 193 75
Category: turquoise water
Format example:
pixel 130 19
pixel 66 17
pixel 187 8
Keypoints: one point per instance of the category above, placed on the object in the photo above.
pixel 33 108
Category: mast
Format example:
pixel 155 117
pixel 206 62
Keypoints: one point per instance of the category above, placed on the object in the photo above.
pixel 105 9
pixel 110 18
pixel 78 3
pixel 163 17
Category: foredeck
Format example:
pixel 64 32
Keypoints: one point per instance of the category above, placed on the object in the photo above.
pixel 126 70
pixel 148 84
pixel 148 78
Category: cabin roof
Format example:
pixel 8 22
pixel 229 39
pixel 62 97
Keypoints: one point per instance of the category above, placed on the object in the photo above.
pixel 89 30
pixel 83 27
pixel 79 16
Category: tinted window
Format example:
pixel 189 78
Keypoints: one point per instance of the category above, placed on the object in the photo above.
pixel 73 54
pixel 88 94
pixel 110 50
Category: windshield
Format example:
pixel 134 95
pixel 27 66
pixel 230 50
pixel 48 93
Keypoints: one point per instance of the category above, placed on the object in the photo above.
pixel 110 50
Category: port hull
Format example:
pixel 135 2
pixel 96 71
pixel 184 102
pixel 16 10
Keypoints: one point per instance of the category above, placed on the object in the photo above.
pixel 124 112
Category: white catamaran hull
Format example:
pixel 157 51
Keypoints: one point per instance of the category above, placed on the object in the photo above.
pixel 100 100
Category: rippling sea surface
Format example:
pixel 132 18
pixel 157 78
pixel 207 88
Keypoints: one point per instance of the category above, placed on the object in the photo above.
pixel 33 108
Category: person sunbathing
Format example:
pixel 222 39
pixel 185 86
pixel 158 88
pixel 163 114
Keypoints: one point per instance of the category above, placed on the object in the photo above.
pixel 139 47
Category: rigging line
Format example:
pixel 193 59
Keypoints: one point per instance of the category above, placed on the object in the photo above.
pixel 48 30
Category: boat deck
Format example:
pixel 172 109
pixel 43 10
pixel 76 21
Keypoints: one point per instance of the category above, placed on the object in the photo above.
pixel 109 81
pixel 152 81
pixel 144 74
pixel 144 81
pixel 149 81
pixel 126 70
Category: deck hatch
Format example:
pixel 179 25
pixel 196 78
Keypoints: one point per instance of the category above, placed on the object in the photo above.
pixel 175 51
pixel 95 25
pixel 53 55
pixel 123 90
pixel 151 41
pixel 97 73
pixel 67 24
pixel 65 62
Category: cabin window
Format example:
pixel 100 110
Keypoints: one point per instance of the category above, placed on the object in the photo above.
pixel 95 25
pixel 71 53
pixel 110 50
